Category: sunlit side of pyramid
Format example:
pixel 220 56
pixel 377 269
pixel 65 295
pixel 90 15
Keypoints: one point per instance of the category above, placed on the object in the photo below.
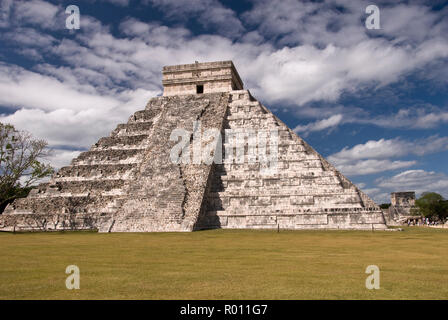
pixel 127 182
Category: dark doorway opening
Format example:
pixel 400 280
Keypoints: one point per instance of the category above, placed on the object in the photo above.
pixel 200 88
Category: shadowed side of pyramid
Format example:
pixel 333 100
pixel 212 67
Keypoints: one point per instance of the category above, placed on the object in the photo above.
pixel 128 182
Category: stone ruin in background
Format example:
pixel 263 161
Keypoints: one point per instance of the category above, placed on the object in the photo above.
pixel 127 182
pixel 402 205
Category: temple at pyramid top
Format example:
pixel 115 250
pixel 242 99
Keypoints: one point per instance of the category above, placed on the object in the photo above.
pixel 198 78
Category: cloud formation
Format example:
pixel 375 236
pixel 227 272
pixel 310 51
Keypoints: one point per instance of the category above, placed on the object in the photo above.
pixel 416 180
pixel 376 155
pixel 390 148
pixel 319 125
pixel 288 52
pixel 208 13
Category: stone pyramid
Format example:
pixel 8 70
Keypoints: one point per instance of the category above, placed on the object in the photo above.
pixel 129 182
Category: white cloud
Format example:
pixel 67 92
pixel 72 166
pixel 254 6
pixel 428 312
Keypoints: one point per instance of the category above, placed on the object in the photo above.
pixel 342 22
pixel 30 37
pixel 117 2
pixel 45 92
pixel 305 73
pixel 31 54
pixel 330 51
pixel 63 127
pixel 37 12
pixel 374 155
pixel 389 148
pixel 415 118
pixel 320 125
pixel 422 117
pixel 371 166
pixel 5 10
pixel 60 157
pixel 209 13
pixel 416 180
pixel 378 195
pixel 106 76
pixel 295 74
pixel 57 108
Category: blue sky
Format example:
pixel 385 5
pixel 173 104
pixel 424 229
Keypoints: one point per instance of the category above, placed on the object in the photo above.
pixel 373 102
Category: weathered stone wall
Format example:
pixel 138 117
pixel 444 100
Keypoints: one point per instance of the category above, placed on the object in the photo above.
pixel 402 199
pixel 49 222
pixel 402 205
pixel 220 76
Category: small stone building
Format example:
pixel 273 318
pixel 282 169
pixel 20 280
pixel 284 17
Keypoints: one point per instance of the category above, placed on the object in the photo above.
pixel 403 199
pixel 128 181
pixel 402 206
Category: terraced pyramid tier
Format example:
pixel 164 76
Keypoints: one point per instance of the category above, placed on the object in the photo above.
pixel 306 192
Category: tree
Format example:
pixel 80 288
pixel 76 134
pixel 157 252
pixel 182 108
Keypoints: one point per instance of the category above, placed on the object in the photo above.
pixel 385 205
pixel 20 165
pixel 432 205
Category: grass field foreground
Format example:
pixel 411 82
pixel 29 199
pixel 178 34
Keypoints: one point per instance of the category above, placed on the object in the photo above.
pixel 226 264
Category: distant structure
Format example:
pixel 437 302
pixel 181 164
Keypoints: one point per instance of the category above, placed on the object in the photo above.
pixel 128 182
pixel 402 205
pixel 403 200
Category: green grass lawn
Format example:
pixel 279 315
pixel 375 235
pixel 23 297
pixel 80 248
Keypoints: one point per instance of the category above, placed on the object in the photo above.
pixel 226 264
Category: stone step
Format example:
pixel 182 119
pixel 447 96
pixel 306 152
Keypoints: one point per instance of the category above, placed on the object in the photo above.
pixel 244 186
pixel 292 211
pixel 248 112
pixel 234 104
pixel 70 194
pixel 247 167
pixel 122 171
pixel 62 204
pixel 284 192
pixel 244 133
pixel 134 160
pixel 130 129
pixel 142 147
pixel 92 186
pixel 107 155
pixel 297 194
pixel 287 143
pixel 225 175
pixel 245 107
pixel 144 115
pixel 132 140
pixel 263 121
pixel 241 95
